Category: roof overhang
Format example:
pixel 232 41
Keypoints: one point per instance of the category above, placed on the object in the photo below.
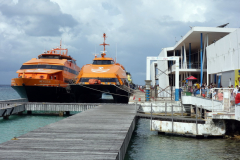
pixel 194 36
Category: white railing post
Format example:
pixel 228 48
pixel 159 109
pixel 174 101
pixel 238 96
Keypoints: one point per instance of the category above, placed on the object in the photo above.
pixel 237 112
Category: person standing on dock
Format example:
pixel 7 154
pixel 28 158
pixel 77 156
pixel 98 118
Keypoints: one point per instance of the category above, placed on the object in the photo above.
pixel 235 91
pixel 195 91
pixel 214 94
pixel 220 95
pixel 203 91
pixel 237 98
pixel 208 92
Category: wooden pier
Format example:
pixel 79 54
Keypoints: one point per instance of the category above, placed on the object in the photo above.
pixel 16 106
pixel 102 132
pixel 9 107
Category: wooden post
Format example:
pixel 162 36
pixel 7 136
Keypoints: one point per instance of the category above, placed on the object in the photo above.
pixel 6 117
pixel 29 112
pixel 172 118
pixel 68 113
pixel 192 111
pixel 20 113
pixel 61 113
pixel 182 108
pixel 196 120
pixel 205 114
pixel 151 116
pixel 201 112
pixel 165 108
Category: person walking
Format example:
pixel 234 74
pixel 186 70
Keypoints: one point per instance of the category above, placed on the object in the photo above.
pixel 208 92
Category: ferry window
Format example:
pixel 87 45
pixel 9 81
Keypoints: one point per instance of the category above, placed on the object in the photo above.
pixel 103 62
pixel 101 79
pixel 48 57
pixel 41 66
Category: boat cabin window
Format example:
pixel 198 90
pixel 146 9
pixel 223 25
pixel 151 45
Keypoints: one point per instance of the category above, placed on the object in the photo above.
pixel 101 79
pixel 49 57
pixel 72 61
pixel 104 62
pixel 125 81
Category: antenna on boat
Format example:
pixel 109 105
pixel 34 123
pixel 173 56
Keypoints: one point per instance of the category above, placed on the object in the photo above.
pixel 116 54
pixel 104 44
pixel 95 54
pixel 61 46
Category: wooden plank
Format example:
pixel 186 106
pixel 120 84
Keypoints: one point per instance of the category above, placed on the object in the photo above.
pixel 97 133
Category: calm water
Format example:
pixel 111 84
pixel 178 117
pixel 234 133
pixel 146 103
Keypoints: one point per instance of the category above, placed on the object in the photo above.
pixel 144 145
pixel 6 92
pixel 18 125
pixel 148 145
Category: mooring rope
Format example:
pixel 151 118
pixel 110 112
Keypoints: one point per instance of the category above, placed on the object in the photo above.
pixel 103 91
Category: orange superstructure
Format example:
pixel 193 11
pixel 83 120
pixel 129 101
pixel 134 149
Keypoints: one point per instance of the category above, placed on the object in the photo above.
pixel 54 68
pixel 104 75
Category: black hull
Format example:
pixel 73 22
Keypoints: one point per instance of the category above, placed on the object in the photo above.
pixel 44 94
pixel 92 93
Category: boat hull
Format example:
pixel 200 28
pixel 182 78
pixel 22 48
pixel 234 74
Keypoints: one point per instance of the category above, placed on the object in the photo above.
pixel 44 93
pixel 92 93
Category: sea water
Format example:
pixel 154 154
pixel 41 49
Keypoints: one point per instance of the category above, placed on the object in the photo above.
pixel 18 125
pixel 149 145
pixel 144 144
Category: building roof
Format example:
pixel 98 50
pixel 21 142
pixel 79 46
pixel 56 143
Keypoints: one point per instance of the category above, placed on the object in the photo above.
pixel 193 36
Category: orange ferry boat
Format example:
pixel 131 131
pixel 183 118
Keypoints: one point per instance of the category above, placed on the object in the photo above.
pixel 44 79
pixel 104 75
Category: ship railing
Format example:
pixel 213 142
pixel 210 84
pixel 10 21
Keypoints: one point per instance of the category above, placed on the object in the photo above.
pixel 57 85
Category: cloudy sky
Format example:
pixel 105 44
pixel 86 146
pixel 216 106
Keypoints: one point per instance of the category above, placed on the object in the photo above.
pixel 139 28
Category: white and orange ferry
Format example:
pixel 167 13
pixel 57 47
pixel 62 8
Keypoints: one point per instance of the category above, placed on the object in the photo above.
pixel 44 79
pixel 104 75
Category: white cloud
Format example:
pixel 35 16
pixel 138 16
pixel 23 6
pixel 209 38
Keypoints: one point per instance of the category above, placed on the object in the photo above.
pixel 139 27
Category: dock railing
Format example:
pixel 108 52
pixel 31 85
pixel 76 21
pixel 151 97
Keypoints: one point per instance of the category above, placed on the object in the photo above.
pixel 237 112
pixel 173 116
pixel 225 96
pixel 172 110
pixel 4 103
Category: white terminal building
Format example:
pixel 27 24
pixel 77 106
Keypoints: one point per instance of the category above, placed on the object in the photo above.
pixel 211 54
